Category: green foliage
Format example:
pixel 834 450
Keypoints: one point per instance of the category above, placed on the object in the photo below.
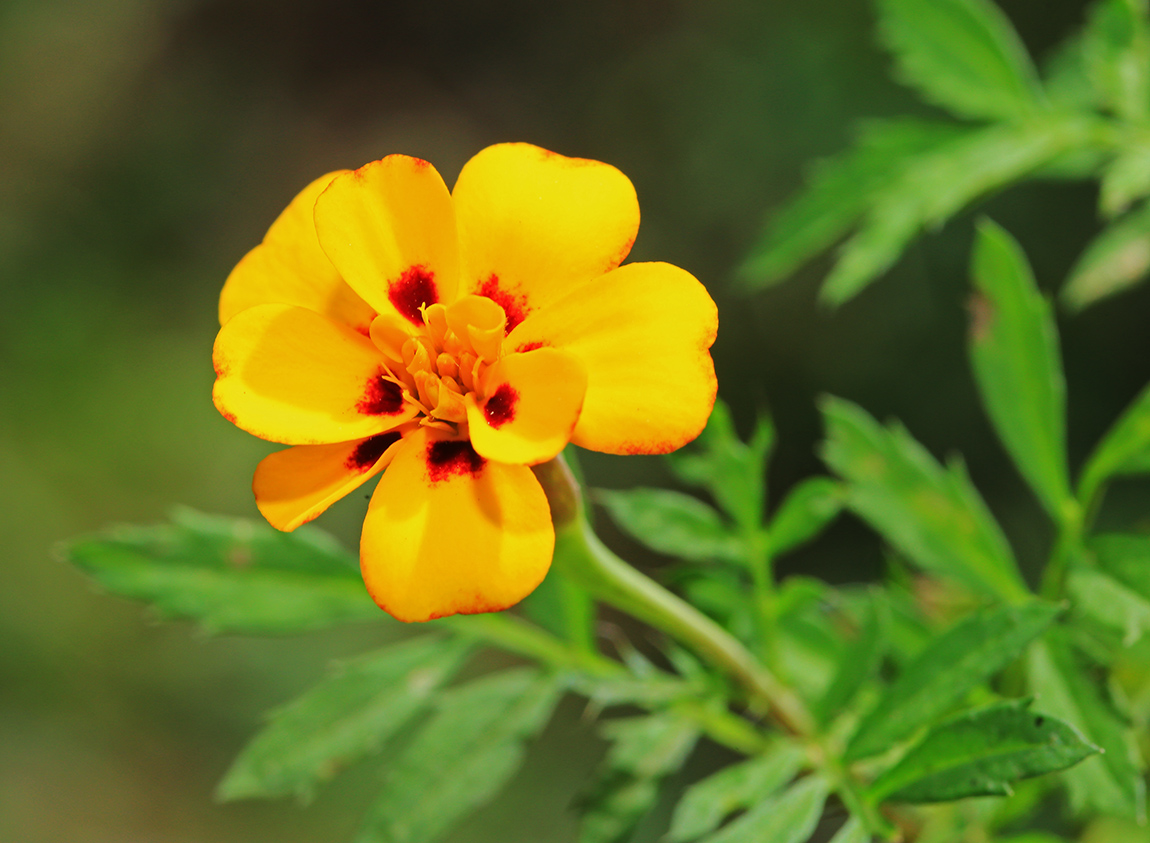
pixel 981 753
pixel 1116 259
pixel 854 666
pixel 806 510
pixel 672 523
pixel 789 817
pixel 949 668
pixel 1125 449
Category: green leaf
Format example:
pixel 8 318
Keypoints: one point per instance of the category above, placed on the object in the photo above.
pixel 231 575
pixel 857 665
pixel 462 757
pixel 1112 782
pixel 1125 449
pixel 1125 180
pixel 938 184
pixel 672 523
pixel 852 832
pixel 981 753
pixel 963 55
pixel 1016 360
pixel 731 470
pixel 952 665
pixel 707 803
pixel 790 817
pixel 931 515
pixel 1110 603
pixel 806 510
pixel 838 192
pixel 1116 50
pixel 1115 260
pixel 1126 559
pixel 349 715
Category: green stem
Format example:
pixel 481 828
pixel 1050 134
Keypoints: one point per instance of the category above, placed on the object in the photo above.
pixel 1067 546
pixel 757 543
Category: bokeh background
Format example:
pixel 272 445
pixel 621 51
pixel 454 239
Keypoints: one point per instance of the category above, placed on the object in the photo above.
pixel 145 146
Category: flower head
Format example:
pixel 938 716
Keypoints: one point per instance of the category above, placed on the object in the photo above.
pixel 455 339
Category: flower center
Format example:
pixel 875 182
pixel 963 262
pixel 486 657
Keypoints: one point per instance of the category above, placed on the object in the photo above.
pixel 445 359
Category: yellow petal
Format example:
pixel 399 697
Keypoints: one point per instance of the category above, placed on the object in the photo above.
pixel 532 404
pixel 295 485
pixel 643 332
pixel 289 267
pixel 290 375
pixel 532 222
pixel 449 533
pixel 389 228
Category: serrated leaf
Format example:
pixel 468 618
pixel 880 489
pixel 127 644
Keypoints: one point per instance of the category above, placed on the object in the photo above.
pixel 707 803
pixel 350 714
pixel 963 55
pixel 462 757
pixel 1115 260
pixel 1125 449
pixel 861 659
pixel 931 515
pixel 1112 782
pixel 806 510
pixel 982 753
pixel 1018 366
pixel 936 185
pixel 852 832
pixel 951 666
pixel 1116 49
pixel 790 817
pixel 672 523
pixel 838 192
pixel 1125 180
pixel 229 574
pixel 1109 603
pixel 731 470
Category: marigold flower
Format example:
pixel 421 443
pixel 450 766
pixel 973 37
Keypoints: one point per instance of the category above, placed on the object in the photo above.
pixel 455 339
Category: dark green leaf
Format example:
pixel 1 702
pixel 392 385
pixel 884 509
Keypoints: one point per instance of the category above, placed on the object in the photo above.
pixel 936 185
pixel 981 753
pixel 707 803
pixel 1014 351
pixel 804 512
pixel 931 515
pixel 231 575
pixel 462 757
pixel 349 715
pixel 1108 602
pixel 856 666
pixel 1116 50
pixel 1115 260
pixel 1125 449
pixel 1112 782
pixel 951 666
pixel 731 470
pixel 790 817
pixel 672 523
pixel 963 55
pixel 838 192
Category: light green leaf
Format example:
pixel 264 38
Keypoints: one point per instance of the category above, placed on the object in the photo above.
pixel 931 515
pixel 231 575
pixel 1109 603
pixel 352 713
pixel 838 192
pixel 963 55
pixel 1125 180
pixel 731 470
pixel 1032 837
pixel 1018 367
pixel 951 666
pixel 856 666
pixel 1112 782
pixel 1115 260
pixel 672 523
pixel 1125 449
pixel 936 185
pixel 805 511
pixel 790 817
pixel 982 753
pixel 1116 50
pixel 462 757
pixel 707 803
pixel 852 832
pixel 1126 558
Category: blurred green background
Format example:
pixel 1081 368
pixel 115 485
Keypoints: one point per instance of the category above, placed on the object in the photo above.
pixel 145 146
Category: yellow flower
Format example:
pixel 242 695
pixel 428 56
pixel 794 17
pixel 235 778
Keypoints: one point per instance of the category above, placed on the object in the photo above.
pixel 455 339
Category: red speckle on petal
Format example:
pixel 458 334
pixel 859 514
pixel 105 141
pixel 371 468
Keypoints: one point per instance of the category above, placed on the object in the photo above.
pixel 514 304
pixel 529 346
pixel 414 289
pixel 420 164
pixel 448 458
pixel 500 407
pixel 229 416
pixel 368 452
pixel 381 398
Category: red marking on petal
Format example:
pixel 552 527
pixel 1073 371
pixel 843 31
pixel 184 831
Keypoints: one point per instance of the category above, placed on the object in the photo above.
pixel 529 346
pixel 228 415
pixel 414 289
pixel 477 606
pixel 500 407
pixel 368 452
pixel 514 304
pixel 448 458
pixel 381 398
pixel 420 164
pixel 222 367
